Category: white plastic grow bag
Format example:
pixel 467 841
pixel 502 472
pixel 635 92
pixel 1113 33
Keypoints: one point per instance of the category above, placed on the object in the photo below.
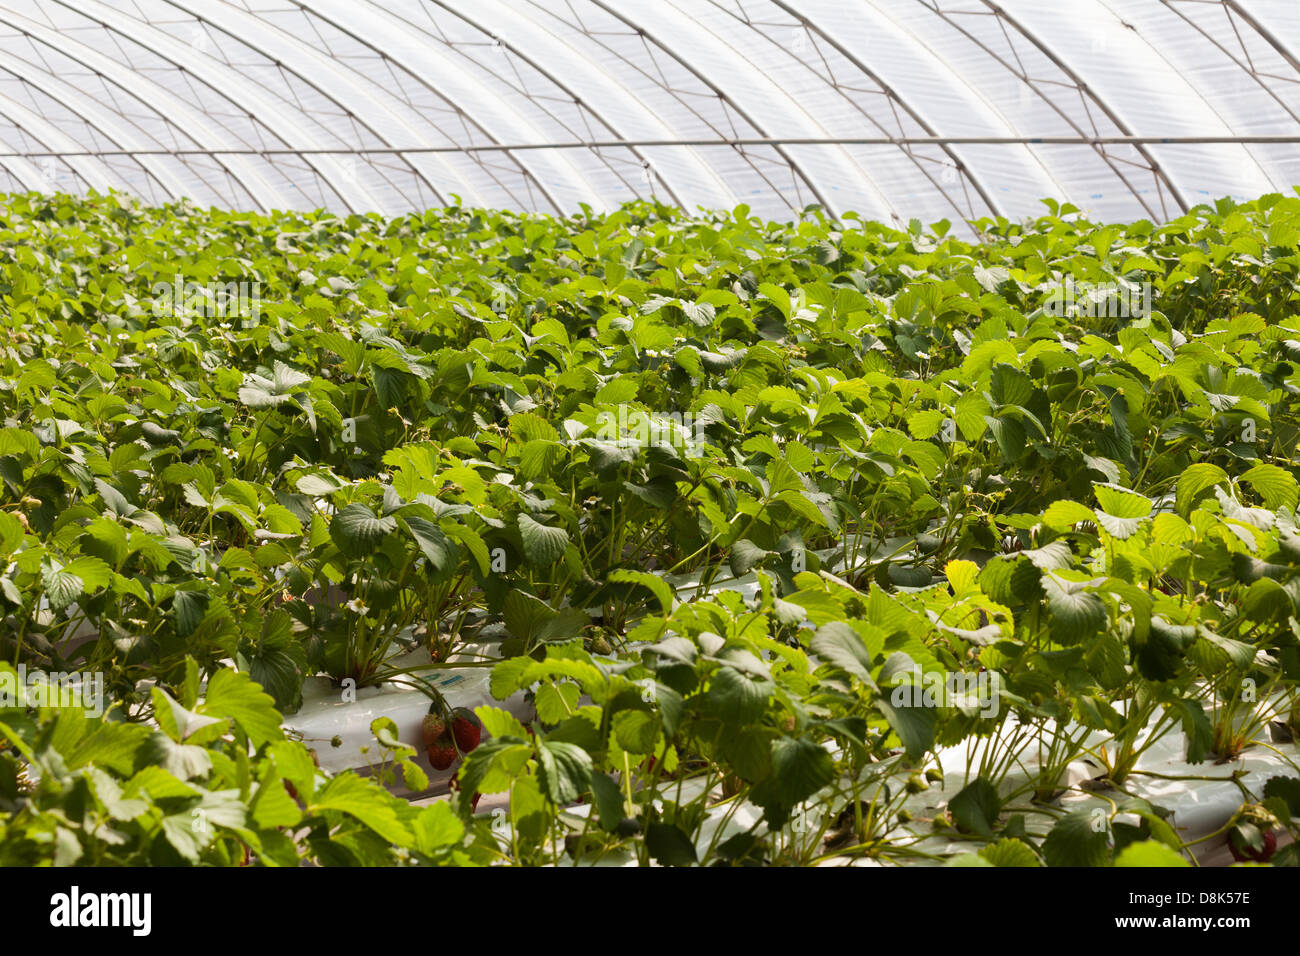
pixel 328 713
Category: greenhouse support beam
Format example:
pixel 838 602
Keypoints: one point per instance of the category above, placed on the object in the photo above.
pixel 747 141
pixel 579 100
pixel 889 91
pixel 1282 49
pixel 1111 113
pixel 795 166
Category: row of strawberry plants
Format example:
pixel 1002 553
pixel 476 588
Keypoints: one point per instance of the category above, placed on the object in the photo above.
pixel 427 426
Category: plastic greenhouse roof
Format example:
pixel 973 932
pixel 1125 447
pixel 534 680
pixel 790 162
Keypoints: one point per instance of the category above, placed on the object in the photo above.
pixel 892 108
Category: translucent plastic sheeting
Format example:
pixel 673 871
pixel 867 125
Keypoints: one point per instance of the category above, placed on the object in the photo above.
pixel 895 109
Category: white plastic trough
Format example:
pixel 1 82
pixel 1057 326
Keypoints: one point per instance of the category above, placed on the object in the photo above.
pixel 327 713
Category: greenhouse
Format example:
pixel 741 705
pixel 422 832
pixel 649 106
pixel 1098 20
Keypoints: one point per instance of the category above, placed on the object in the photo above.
pixel 649 433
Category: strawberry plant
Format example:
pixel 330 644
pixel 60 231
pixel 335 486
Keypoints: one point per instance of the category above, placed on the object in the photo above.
pixel 807 541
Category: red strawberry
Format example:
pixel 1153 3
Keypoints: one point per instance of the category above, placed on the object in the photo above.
pixel 473 803
pixel 442 752
pixel 1242 852
pixel 467 728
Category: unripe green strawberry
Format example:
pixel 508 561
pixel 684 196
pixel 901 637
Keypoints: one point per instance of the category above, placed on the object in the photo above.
pixel 466 728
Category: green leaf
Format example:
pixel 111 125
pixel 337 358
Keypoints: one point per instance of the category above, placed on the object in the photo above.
pixel 564 771
pixel 413 777
pixel 358 531
pixel 913 723
pixel 437 827
pixel 800 768
pixel 608 800
pixel 1149 853
pixel 745 555
pixel 61 587
pixel 366 801
pixel 1286 789
pixel 1009 852
pixel 669 846
pixel 1077 612
pixel 636 730
pixel 976 807
pixel 749 751
pixel 555 702
pixel 652 583
pixel 969 414
pixel 278 662
pixel 1010 436
pixel 271 805
pixel 777 296
pixel 543 545
pixel 739 698
pixel 238 697
pixel 181 761
pixel 1195 481
pixel 1078 839
pixel 93 572
pixel 1275 485
pixel 1121 502
pixel 189 608
pixel 841 643
pixel 177 722
pixel 1065 514
pixel 501 723
pixel 433 544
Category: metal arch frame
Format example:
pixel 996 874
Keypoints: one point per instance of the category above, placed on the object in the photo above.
pixel 1214 41
pixel 781 151
pixel 1229 140
pixel 110 70
pixel 119 126
pixel 360 88
pixel 205 71
pixel 707 171
pixel 580 101
pixel 20 167
pixel 60 91
pixel 303 49
pixel 1033 160
pixel 796 108
pixel 1156 168
pixel 23 172
pixel 895 97
pixel 40 129
pixel 1283 49
pixel 1229 9
pixel 578 29
pixel 525 169
pixel 934 7
pixel 1105 4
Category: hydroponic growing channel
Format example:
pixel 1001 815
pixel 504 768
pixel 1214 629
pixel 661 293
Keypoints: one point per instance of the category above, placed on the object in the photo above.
pixel 684 539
